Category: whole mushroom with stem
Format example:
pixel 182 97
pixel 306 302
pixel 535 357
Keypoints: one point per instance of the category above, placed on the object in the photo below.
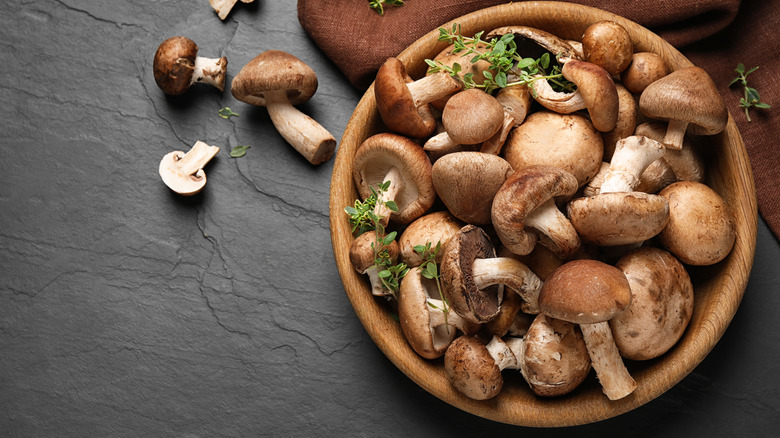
pixel 278 80
pixel 177 66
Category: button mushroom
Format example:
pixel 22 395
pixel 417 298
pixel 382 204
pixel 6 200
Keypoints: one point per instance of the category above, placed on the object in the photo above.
pixel 466 183
pixel 363 253
pixel 590 293
pixel 424 322
pixel 450 56
pixel 516 100
pixel 389 157
pixel 701 229
pixel 403 102
pixel 689 100
pixel 177 66
pixel 470 270
pixel 474 368
pixel 608 45
pixel 278 80
pixel 567 141
pixel 471 117
pixel 223 7
pixel 183 172
pixel 524 211
pixel 661 304
pixel 644 69
pixel 434 228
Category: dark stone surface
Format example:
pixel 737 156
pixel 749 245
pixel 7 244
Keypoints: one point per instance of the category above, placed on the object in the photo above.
pixel 126 310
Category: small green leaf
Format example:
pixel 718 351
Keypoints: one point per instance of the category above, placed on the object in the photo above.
pixel 740 68
pixel 239 151
pixel 384 273
pixel 226 113
pixel 762 105
pixel 419 248
pixel 351 210
pixel 391 205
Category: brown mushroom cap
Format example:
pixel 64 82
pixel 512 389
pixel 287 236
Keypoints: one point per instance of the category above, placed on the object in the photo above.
pixel 608 45
pixel 644 69
pixel 472 116
pixel 555 359
pixel 523 194
pixel 566 141
pixel 274 70
pixel 361 252
pixel 701 229
pixel 661 304
pixel 626 121
pixel 611 219
pixel 471 369
pixel 585 292
pixel 174 64
pixel 449 57
pixel 598 92
pixel 377 155
pixel 434 228
pixel 466 182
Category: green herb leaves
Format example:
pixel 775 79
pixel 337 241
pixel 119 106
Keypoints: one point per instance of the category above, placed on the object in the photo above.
pixel 226 113
pixel 379 5
pixel 362 216
pixel 430 270
pixel 239 151
pixel 752 98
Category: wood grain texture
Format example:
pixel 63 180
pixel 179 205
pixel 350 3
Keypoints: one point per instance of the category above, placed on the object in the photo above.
pixel 718 289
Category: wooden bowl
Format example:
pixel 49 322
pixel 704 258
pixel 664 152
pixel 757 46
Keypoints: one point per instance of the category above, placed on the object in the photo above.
pixel 718 289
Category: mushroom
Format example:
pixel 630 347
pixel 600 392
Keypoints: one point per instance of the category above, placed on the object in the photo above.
pixel 686 164
pixel 516 100
pixel 701 229
pixel 363 254
pixel 510 318
pixel 618 215
pixel 428 324
pixel 661 304
pixel 590 293
pixel 177 66
pixel 183 172
pixel 474 368
pixel 689 100
pixel 626 121
pixel 434 228
pixel 403 102
pixel 567 141
pixel 608 45
pixel 533 42
pixel 223 7
pixel 555 358
pixel 466 183
pixel 524 211
pixel 644 69
pixel 449 57
pixel 470 117
pixel 278 80
pixel 470 269
pixel 389 157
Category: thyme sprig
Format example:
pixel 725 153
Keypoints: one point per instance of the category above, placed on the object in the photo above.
pixel 507 67
pixel 379 5
pixel 752 99
pixel 429 269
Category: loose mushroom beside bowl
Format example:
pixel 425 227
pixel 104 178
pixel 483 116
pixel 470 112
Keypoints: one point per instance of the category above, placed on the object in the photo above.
pixel 718 288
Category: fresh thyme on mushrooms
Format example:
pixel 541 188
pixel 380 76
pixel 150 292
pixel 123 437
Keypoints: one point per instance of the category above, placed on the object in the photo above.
pixel 430 270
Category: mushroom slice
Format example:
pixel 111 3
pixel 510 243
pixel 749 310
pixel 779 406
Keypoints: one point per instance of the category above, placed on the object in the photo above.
pixel 661 304
pixel 278 80
pixel 701 229
pixel 223 7
pixel 689 100
pixel 428 324
pixel 177 66
pixel 555 358
pixel 590 293
pixel 470 272
pixel 397 159
pixel 434 228
pixel 474 368
pixel 183 172
pixel 524 208
pixel 466 183
pixel 363 258
pixel 403 102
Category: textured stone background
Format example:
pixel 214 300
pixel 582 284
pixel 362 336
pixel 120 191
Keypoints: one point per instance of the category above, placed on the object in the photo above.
pixel 128 311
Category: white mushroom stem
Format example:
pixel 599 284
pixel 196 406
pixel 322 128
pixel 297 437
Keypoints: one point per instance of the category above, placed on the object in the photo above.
pixel 377 288
pixel 381 210
pixel 556 232
pixel 562 103
pixel 441 144
pixel 494 144
pixel 507 354
pixel 675 133
pixel 209 71
pixel 632 156
pixel 222 7
pixel 511 273
pixel 302 132
pixel 615 380
pixel 432 87
pixel 195 159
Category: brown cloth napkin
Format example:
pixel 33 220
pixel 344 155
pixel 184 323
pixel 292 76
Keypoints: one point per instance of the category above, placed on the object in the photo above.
pixel 715 35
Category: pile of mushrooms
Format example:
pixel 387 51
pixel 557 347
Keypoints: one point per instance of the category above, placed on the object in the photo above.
pixel 567 221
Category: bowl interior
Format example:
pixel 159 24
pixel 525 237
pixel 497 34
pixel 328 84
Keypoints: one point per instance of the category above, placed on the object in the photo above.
pixel 718 289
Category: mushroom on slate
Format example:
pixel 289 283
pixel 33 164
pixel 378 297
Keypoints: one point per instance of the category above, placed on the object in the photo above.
pixel 397 159
pixel 434 228
pixel 278 80
pixel 590 293
pixel 362 255
pixel 421 313
pixel 608 45
pixel 474 368
pixel 470 272
pixel 524 211
pixel 466 183
pixel 701 229
pixel 223 7
pixel 177 66
pixel 689 100
pixel 403 102
pixel 661 304
pixel 183 172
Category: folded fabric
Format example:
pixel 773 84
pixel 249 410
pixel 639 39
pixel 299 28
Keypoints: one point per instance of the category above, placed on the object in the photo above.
pixel 715 35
